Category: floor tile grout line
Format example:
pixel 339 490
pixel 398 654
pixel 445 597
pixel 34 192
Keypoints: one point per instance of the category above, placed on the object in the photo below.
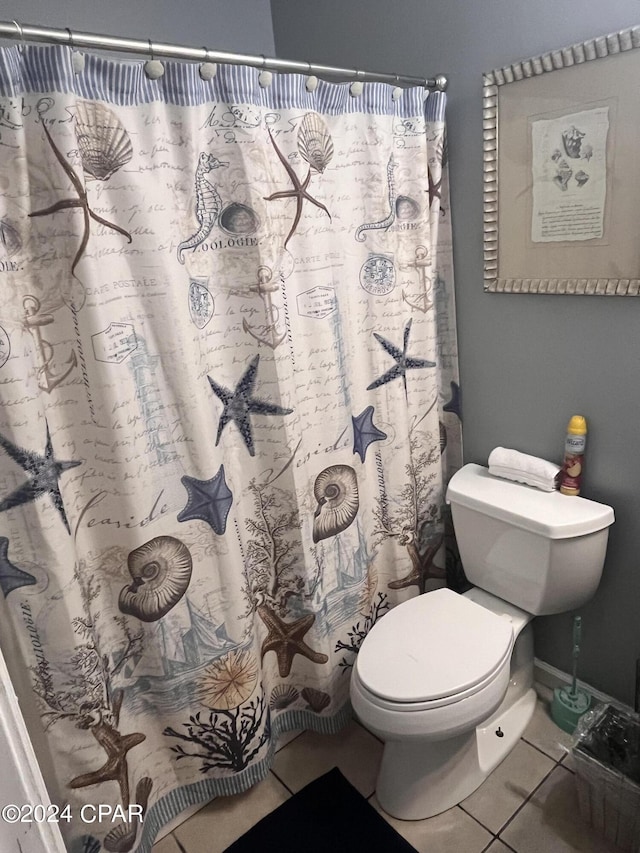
pixel 562 764
pixel 282 782
pixel 293 739
pixel 524 802
pixel 355 720
pixel 494 839
pixel 541 750
pixel 461 807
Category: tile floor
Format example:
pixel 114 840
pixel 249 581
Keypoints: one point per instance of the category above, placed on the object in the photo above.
pixel 527 805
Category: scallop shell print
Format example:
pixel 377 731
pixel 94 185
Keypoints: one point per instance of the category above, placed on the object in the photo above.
pixel 314 142
pixel 103 143
pixel 336 491
pixel 282 696
pixel 317 700
pixel 161 571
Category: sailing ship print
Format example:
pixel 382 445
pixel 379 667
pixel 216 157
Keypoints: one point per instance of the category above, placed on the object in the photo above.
pixel 175 652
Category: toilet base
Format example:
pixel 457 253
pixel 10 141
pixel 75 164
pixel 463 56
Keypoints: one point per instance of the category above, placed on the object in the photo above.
pixel 421 779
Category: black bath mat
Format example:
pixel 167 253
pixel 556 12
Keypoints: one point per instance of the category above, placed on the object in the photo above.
pixel 328 816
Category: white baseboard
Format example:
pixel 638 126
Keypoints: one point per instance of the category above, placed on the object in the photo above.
pixel 551 677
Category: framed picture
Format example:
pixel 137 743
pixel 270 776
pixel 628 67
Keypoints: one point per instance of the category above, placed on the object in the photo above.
pixel 561 171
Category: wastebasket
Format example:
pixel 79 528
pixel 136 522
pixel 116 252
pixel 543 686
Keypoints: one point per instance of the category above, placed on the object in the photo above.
pixel 606 755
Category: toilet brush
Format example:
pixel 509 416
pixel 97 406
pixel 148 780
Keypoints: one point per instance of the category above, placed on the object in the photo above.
pixel 569 704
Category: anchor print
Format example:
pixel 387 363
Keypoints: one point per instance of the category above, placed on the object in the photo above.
pixel 273 337
pixel 422 302
pixel 48 379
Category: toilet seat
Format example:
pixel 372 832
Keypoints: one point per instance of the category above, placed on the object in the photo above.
pixel 433 650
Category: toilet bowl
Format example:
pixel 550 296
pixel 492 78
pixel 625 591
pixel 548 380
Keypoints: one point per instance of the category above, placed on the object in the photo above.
pixel 462 655
pixel 446 680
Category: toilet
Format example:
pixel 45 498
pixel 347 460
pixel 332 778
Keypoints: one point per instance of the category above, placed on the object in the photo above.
pixel 446 680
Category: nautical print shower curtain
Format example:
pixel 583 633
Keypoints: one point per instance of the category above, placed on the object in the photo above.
pixel 229 410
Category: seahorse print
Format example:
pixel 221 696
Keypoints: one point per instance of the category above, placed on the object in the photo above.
pixel 390 219
pixel 208 204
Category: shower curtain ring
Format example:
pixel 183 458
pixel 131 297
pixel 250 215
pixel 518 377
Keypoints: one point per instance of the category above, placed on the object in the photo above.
pixel 153 68
pixel 207 69
pixel 397 92
pixel 312 80
pixel 77 59
pixel 356 88
pixel 22 46
pixel 265 77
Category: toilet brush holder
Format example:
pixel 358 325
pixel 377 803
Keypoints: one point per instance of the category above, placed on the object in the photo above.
pixel 570 703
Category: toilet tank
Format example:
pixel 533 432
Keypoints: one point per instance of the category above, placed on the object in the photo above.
pixel 542 551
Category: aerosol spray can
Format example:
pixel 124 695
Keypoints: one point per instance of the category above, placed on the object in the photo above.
pixel 574 448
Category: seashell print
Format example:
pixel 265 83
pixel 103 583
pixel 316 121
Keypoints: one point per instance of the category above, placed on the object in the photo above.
pixel 122 837
pixel 103 143
pixel 572 141
pixel 238 218
pixel 86 844
pixel 317 700
pixel 229 680
pixel 336 490
pixel 406 208
pixel 10 240
pixel 161 571
pixel 443 437
pixel 314 142
pixel 282 696
pixel 201 304
pixel 582 177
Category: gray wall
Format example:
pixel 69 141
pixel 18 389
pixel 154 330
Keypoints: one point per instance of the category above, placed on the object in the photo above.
pixel 243 26
pixel 527 362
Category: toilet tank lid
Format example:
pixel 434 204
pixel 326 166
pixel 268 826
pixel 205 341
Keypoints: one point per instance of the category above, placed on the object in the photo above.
pixel 549 514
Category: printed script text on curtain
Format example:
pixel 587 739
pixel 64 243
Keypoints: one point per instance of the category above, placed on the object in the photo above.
pixel 229 410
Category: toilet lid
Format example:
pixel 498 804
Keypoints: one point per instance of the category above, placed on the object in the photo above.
pixel 435 645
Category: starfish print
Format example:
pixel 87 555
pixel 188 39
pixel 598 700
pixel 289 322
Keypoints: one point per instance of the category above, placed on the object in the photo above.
pixel 365 432
pixel 435 188
pixel 240 404
pixel 209 500
pixel 115 768
pixel 455 403
pixel 45 472
pixel 11 577
pixel 299 191
pixel 81 201
pixel 285 639
pixel 403 361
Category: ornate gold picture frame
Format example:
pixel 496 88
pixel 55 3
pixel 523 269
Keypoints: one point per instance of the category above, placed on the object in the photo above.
pixel 561 138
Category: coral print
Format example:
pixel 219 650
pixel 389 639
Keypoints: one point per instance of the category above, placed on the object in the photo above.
pixel 229 410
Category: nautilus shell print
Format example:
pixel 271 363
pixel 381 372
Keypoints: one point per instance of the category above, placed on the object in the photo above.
pixel 314 142
pixel 161 571
pixel 103 143
pixel 336 491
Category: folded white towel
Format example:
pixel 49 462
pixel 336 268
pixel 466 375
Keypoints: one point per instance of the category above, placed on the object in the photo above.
pixel 513 465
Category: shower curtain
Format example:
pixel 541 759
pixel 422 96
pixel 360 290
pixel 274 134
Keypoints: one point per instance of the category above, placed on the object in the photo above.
pixel 229 410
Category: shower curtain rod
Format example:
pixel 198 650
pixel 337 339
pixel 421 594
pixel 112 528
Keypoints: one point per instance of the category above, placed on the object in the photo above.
pixel 27 32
